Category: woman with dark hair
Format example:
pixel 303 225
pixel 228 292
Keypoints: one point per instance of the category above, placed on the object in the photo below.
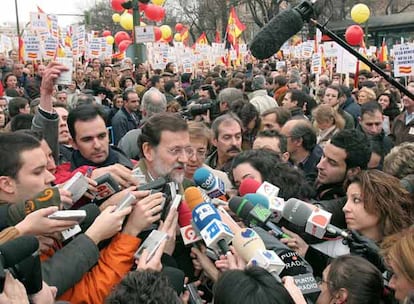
pixel 250 286
pixel 250 118
pixel 390 110
pixel 126 82
pixel 265 165
pixel 351 280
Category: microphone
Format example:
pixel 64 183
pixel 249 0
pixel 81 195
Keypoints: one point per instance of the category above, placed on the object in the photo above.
pixel 279 29
pixel 213 185
pixel 251 248
pixel 14 251
pixel 315 221
pixel 92 212
pixel 254 215
pixel 248 185
pixel 193 197
pixel 214 232
pixel 188 234
pixel 271 192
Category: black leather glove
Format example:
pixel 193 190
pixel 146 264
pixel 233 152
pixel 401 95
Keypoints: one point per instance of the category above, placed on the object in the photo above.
pixel 366 248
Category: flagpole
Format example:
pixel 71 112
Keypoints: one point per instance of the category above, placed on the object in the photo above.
pixel 18 29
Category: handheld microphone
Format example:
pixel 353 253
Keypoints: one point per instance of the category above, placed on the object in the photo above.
pixel 279 29
pixel 315 221
pixel 254 215
pixel 92 212
pixel 213 185
pixel 251 248
pixel 214 232
pixel 248 185
pixel 193 197
pixel 187 231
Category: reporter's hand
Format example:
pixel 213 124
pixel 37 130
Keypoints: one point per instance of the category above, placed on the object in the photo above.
pixel 115 199
pixel 295 243
pixel 155 262
pixel 46 242
pixel 14 291
pixel 37 223
pixel 366 248
pixel 203 263
pixel 46 295
pixel 65 198
pixel 91 188
pixel 108 223
pixel 120 173
pixel 230 261
pixel 293 290
pixel 145 212
pixel 170 228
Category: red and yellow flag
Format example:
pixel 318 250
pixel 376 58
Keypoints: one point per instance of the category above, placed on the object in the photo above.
pixel 383 55
pixel 202 39
pixel 185 35
pixel 234 27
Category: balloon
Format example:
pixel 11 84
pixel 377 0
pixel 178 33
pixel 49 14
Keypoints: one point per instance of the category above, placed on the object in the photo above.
pixel 158 2
pixel 354 35
pixel 142 6
pixel 177 37
pixel 116 17
pixel 157 33
pixel 116 5
pixel 179 27
pixel 169 39
pixel 126 21
pixel 166 32
pixel 360 13
pixel 109 40
pixel 106 33
pixel 124 45
pixel 121 36
pixel 154 12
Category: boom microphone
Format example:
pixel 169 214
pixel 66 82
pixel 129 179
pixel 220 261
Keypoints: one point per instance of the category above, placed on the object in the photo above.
pixel 279 29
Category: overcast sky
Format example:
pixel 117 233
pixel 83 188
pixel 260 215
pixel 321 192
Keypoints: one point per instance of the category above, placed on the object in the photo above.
pixel 7 11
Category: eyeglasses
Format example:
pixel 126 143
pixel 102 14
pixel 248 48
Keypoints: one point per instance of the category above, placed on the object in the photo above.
pixel 201 154
pixel 188 151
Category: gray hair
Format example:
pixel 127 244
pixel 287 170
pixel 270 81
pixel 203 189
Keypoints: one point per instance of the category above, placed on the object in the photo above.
pixel 229 95
pixel 153 102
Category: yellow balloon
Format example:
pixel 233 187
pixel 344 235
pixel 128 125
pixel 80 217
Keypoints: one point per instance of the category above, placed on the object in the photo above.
pixel 126 21
pixel 360 13
pixel 109 40
pixel 166 31
pixel 177 37
pixel 158 2
pixel 116 17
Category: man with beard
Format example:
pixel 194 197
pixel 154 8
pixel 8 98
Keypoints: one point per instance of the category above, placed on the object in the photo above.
pixel 227 138
pixel 164 146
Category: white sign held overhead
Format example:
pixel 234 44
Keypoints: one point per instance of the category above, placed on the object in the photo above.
pixel 316 67
pixel 331 49
pixel 144 34
pixel 38 21
pixel 403 60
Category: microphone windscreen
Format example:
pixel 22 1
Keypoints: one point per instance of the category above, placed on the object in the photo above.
pixel 184 215
pixel 274 34
pixel 257 199
pixel 15 251
pixel 92 212
pixel 297 212
pixel 247 242
pixel 201 176
pixel 203 214
pixel 248 185
pixel 240 206
pixel 193 197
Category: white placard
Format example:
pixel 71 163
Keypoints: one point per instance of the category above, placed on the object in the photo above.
pixel 403 60
pixel 144 34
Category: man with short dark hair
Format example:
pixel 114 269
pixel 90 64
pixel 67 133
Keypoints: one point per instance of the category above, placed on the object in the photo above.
pixel 227 138
pixel 274 119
pixel 18 105
pixel 274 141
pixel 157 82
pixel 301 145
pixel 126 119
pixel 334 97
pixel 295 101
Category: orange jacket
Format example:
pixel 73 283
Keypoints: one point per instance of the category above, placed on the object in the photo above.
pixel 114 263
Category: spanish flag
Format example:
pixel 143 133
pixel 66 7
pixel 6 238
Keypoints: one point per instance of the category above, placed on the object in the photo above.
pixel 201 40
pixel 185 35
pixel 383 55
pixel 234 27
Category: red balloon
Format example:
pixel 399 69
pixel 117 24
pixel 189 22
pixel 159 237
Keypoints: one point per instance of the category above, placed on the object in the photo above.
pixel 179 27
pixel 354 35
pixel 121 36
pixel 116 5
pixel 154 12
pixel 142 6
pixel 106 33
pixel 157 33
pixel 169 39
pixel 124 45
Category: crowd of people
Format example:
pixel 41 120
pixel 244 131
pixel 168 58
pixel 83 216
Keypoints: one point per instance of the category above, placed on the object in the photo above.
pixel 346 148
